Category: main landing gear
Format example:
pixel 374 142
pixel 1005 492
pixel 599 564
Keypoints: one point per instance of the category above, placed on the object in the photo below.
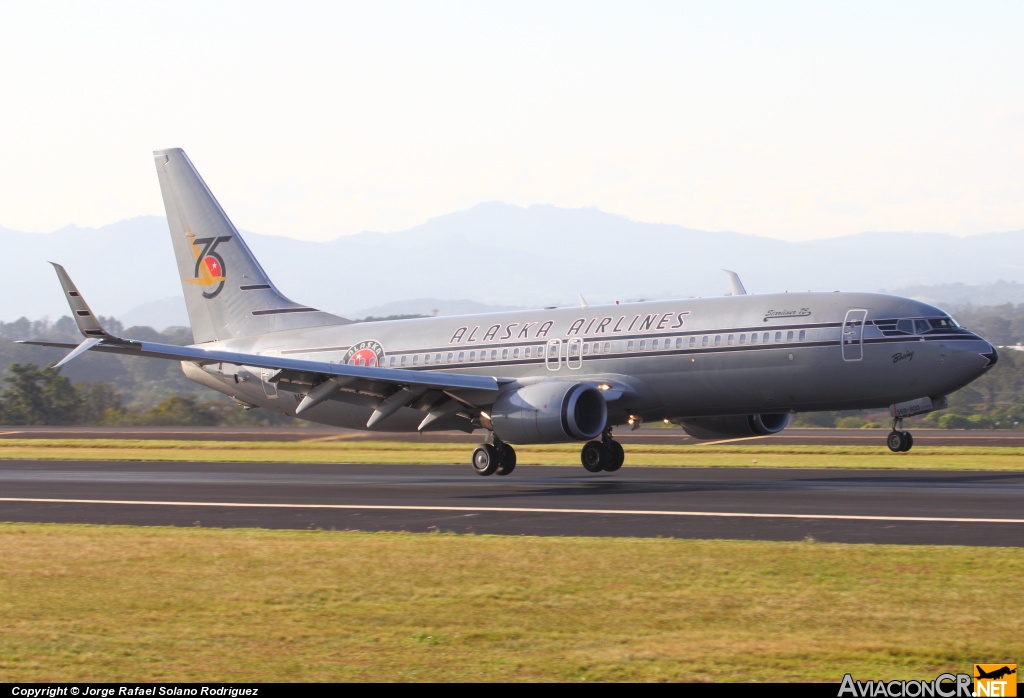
pixel 494 456
pixel 604 455
pixel 899 441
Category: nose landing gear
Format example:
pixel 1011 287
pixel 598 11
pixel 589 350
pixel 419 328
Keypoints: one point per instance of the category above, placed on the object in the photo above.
pixel 899 441
pixel 604 455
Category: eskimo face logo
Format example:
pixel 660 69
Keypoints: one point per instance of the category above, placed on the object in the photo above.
pixel 365 353
pixel 209 270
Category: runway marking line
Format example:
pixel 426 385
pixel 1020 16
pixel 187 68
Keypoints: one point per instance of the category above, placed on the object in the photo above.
pixel 517 510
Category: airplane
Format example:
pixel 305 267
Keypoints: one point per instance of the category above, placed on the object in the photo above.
pixel 721 368
pixel 995 674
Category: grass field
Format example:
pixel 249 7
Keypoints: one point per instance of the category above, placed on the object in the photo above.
pixel 94 603
pixel 367 451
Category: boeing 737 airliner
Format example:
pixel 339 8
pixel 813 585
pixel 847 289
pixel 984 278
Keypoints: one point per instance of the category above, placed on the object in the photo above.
pixel 727 367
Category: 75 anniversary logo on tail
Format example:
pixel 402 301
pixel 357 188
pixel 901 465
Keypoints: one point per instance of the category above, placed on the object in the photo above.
pixel 209 269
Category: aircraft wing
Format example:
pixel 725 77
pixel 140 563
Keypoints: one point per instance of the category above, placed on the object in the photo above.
pixel 398 376
pixel 440 395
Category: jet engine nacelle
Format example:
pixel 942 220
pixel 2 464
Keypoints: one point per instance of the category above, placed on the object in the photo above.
pixel 735 427
pixel 549 412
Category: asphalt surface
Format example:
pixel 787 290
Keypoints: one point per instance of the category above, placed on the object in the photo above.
pixel 907 507
pixel 643 435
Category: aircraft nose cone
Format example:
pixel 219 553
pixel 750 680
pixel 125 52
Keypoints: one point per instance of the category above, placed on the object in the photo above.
pixel 992 355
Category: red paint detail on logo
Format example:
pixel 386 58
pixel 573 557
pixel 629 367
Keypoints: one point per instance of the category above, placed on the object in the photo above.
pixel 364 357
pixel 213 266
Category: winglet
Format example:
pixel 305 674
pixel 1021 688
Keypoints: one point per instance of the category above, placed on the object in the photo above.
pixel 735 285
pixel 87 344
pixel 87 323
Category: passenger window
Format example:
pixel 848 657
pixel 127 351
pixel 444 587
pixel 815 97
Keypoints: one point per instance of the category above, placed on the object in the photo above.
pixel 718 340
pixel 586 348
pixel 472 356
pixel 704 341
pixel 730 340
pixel 654 344
pixel 416 360
pixel 789 336
pixel 743 339
pixel 437 358
pixel 764 339
pixel 404 358
pixel 803 335
pixel 462 356
pixel 629 347
pixel 643 345
pixel 451 355
pixel 426 358
pixel 753 338
pixel 504 354
pixel 693 342
pixel 778 336
pixel 526 353
pixel 515 353
pixel 391 362
pixel 679 342
pixel 607 347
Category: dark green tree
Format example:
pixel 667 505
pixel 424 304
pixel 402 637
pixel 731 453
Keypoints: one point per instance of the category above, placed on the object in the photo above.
pixel 38 396
pixel 99 401
pixel 181 411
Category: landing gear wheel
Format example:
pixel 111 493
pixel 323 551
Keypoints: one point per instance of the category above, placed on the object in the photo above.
pixel 506 459
pixel 616 456
pixel 485 459
pixel 899 441
pixel 594 456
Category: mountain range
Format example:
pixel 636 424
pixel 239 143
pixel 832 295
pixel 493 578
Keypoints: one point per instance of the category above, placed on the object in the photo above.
pixel 500 256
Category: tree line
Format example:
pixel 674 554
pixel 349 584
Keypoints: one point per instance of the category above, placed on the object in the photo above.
pixel 119 390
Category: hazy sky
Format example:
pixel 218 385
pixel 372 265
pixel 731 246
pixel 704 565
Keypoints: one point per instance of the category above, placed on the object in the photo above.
pixel 787 119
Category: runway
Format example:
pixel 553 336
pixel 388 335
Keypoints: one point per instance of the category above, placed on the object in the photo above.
pixel 906 507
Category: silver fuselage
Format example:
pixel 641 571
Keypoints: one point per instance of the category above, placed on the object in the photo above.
pixel 793 352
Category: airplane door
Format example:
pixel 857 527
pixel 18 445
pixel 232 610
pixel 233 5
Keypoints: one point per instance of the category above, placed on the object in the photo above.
pixel 553 355
pixel 574 353
pixel 266 374
pixel 853 334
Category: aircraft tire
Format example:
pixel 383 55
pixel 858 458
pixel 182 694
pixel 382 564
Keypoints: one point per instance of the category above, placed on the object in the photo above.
pixel 594 456
pixel 895 441
pixel 908 441
pixel 485 459
pixel 616 456
pixel 506 460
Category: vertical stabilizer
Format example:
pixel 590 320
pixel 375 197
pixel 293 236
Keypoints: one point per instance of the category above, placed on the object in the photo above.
pixel 227 293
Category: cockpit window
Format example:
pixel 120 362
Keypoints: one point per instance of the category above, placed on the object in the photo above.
pixel 945 325
pixel 905 326
pixel 919 326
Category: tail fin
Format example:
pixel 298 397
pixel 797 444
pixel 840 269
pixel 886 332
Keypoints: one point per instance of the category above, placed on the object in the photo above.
pixel 227 293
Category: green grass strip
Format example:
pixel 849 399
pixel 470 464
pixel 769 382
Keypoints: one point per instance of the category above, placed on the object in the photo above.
pixel 372 451
pixel 94 603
